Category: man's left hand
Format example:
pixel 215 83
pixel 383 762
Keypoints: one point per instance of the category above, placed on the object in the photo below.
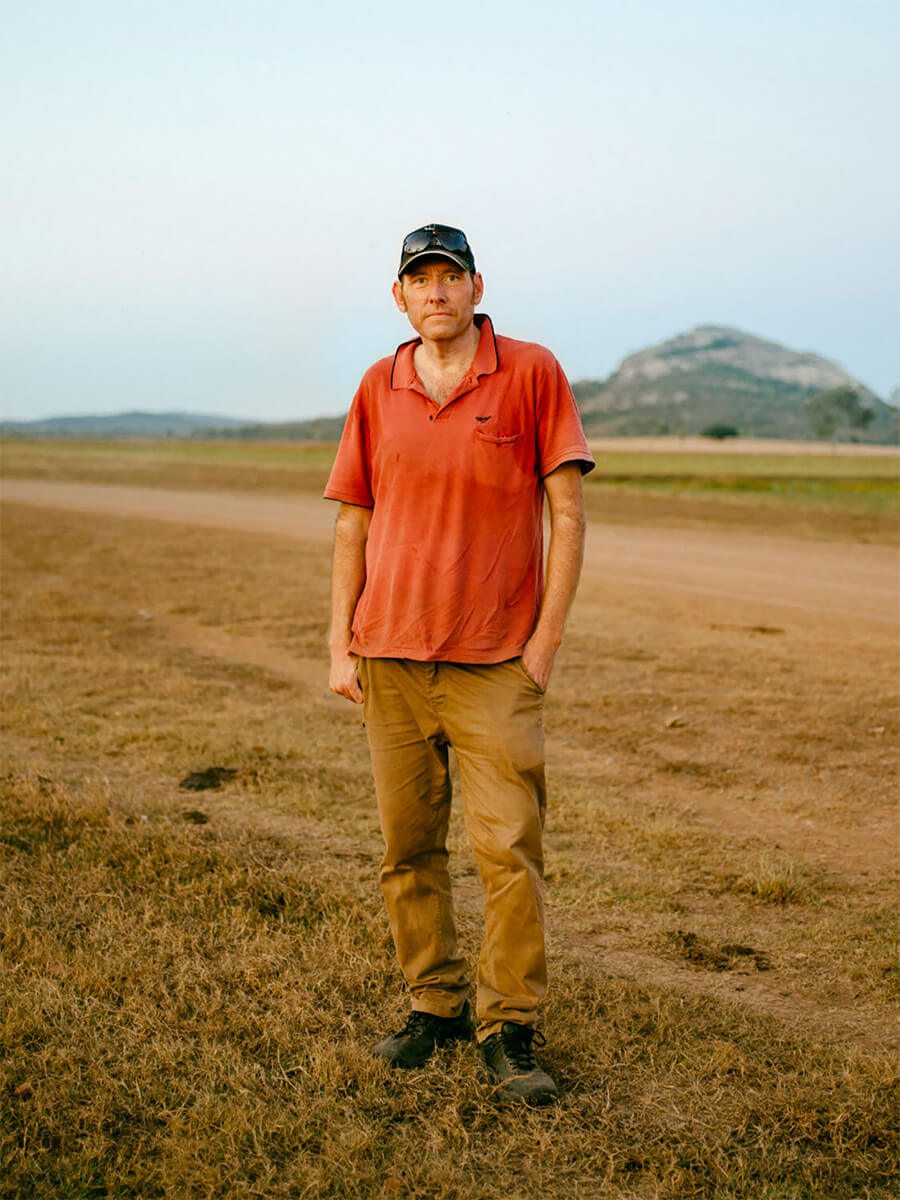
pixel 538 658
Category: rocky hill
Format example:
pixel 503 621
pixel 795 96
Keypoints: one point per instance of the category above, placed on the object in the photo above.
pixel 716 375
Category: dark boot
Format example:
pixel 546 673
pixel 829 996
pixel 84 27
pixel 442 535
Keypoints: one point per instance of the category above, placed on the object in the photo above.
pixel 509 1059
pixel 414 1044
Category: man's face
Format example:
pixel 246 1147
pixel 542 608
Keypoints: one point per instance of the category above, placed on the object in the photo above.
pixel 439 298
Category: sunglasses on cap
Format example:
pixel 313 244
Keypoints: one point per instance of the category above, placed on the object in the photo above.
pixel 437 239
pixel 440 236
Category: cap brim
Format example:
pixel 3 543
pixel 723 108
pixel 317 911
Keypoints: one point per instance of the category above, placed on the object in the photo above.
pixel 432 253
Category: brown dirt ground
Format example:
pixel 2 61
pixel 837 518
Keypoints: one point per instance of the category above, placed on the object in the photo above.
pixel 781 741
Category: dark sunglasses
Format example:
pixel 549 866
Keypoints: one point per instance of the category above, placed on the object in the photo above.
pixel 453 240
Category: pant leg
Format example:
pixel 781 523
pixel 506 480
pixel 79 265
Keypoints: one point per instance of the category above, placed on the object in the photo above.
pixel 493 716
pixel 412 785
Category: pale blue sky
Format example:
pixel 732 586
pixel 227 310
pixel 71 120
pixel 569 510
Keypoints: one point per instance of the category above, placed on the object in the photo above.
pixel 202 203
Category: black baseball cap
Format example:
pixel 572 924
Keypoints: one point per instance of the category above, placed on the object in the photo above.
pixel 442 241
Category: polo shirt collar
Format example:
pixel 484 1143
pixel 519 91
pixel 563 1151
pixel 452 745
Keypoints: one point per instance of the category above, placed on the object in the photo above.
pixel 485 362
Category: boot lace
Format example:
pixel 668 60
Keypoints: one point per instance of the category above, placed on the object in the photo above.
pixel 417 1022
pixel 517 1043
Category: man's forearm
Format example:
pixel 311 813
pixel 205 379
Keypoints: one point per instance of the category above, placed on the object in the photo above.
pixel 348 575
pixel 567 531
pixel 348 571
pixel 564 562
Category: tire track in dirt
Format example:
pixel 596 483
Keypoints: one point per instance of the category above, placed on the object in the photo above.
pixel 216 643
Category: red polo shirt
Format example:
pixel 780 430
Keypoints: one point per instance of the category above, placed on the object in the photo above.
pixel 454 558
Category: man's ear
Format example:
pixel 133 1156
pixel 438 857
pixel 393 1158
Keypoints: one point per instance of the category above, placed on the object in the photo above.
pixel 397 289
pixel 477 287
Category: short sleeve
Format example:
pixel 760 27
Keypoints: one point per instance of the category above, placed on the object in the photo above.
pixel 350 480
pixel 560 437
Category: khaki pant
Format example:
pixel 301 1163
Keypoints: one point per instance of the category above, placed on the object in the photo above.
pixel 492 717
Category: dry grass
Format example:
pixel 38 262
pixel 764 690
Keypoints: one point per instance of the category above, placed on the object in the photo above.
pixel 187 1013
pixel 192 979
pixel 774 882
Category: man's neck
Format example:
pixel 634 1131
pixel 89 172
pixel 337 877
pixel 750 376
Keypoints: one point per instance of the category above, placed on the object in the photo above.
pixel 456 354
pixel 441 373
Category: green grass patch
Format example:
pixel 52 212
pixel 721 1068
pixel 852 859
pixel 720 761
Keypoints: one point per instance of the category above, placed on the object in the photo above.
pixel 875 494
pixel 225 453
pixel 686 465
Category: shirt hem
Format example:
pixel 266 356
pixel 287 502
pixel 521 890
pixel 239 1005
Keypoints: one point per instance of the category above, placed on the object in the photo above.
pixel 456 655
pixel 348 498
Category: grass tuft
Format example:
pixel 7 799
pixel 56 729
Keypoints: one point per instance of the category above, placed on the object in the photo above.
pixel 773 881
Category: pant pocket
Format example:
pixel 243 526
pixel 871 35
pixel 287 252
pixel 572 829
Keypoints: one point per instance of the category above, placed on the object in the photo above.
pixel 532 682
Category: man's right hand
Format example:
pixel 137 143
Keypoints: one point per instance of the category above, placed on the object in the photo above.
pixel 344 680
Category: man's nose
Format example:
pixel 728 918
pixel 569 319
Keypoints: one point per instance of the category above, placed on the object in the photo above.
pixel 436 291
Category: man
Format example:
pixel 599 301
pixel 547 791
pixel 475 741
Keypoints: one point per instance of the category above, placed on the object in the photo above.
pixel 443 627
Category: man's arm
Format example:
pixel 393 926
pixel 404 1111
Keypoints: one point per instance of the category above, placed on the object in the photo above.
pixel 567 525
pixel 348 574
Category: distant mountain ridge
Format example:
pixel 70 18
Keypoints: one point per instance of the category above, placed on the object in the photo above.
pixel 125 424
pixel 711 375
pixel 716 374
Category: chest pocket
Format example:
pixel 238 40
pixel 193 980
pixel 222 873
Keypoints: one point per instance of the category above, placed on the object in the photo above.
pixel 503 460
pixel 496 439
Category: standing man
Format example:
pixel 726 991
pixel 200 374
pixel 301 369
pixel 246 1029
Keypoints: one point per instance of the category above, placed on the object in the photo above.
pixel 444 627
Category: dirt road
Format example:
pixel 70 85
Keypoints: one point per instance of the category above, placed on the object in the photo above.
pixel 758 579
